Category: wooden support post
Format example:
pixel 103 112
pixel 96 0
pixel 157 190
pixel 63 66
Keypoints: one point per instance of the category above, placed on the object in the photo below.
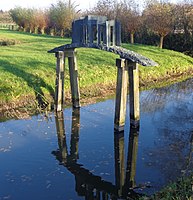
pixel 73 71
pixel 59 88
pixel 134 93
pixel 121 94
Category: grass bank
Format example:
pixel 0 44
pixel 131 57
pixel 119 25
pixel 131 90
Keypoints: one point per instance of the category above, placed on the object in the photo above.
pixel 27 71
pixel 179 190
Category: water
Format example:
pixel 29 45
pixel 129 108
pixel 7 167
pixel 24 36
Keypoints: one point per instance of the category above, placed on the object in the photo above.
pixel 77 155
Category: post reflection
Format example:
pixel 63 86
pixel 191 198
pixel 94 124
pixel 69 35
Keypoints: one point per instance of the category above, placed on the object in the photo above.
pixel 75 129
pixel 60 128
pixel 131 159
pixel 88 185
pixel 119 160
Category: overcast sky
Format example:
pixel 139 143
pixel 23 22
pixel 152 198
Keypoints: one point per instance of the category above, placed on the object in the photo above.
pixel 8 4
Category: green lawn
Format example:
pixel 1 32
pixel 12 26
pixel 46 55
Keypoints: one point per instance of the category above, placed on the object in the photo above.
pixel 27 70
pixel 171 64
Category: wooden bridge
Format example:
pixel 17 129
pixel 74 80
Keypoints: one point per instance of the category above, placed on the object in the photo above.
pixel 127 68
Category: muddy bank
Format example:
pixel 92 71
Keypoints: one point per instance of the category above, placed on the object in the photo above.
pixel 27 106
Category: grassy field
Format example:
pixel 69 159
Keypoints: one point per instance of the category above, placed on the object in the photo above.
pixel 172 65
pixel 27 71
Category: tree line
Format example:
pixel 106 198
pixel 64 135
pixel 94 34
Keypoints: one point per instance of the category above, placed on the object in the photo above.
pixel 170 24
pixel 5 18
pixel 56 20
pixel 153 23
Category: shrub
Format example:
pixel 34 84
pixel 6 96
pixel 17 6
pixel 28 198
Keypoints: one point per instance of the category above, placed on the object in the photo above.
pixel 8 42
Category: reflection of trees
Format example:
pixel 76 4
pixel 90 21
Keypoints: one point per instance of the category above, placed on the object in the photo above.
pixel 156 99
pixel 87 184
pixel 173 153
pixel 173 157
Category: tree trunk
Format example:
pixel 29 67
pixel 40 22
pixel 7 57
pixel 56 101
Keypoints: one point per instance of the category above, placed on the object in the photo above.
pixel 42 31
pixel 132 38
pixel 52 32
pixel 36 30
pixel 186 32
pixel 62 33
pixel 161 41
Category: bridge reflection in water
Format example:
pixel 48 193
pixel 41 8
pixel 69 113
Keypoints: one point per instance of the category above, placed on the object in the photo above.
pixel 87 184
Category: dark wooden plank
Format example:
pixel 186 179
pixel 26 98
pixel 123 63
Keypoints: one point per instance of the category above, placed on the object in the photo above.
pixel 121 94
pixel 134 93
pixel 124 53
pixel 59 87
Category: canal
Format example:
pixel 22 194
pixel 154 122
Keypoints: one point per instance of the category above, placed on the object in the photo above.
pixel 77 154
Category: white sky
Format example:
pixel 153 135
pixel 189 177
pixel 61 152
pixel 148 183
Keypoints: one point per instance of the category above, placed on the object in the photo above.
pixel 8 4
pixel 83 4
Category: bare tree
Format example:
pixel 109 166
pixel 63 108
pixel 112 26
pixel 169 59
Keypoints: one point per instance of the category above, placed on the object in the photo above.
pixel 159 19
pixel 108 8
pixel 61 15
pixel 17 15
pixel 130 18
pixel 124 10
pixel 184 17
pixel 41 19
pixel 5 17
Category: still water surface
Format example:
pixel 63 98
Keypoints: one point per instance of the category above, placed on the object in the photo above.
pixel 77 154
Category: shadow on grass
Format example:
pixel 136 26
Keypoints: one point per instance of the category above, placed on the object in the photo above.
pixel 33 81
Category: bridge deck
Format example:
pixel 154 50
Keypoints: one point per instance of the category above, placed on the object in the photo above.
pixel 122 52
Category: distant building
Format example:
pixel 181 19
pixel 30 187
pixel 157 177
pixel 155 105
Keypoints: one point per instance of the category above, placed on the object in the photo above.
pixel 96 30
